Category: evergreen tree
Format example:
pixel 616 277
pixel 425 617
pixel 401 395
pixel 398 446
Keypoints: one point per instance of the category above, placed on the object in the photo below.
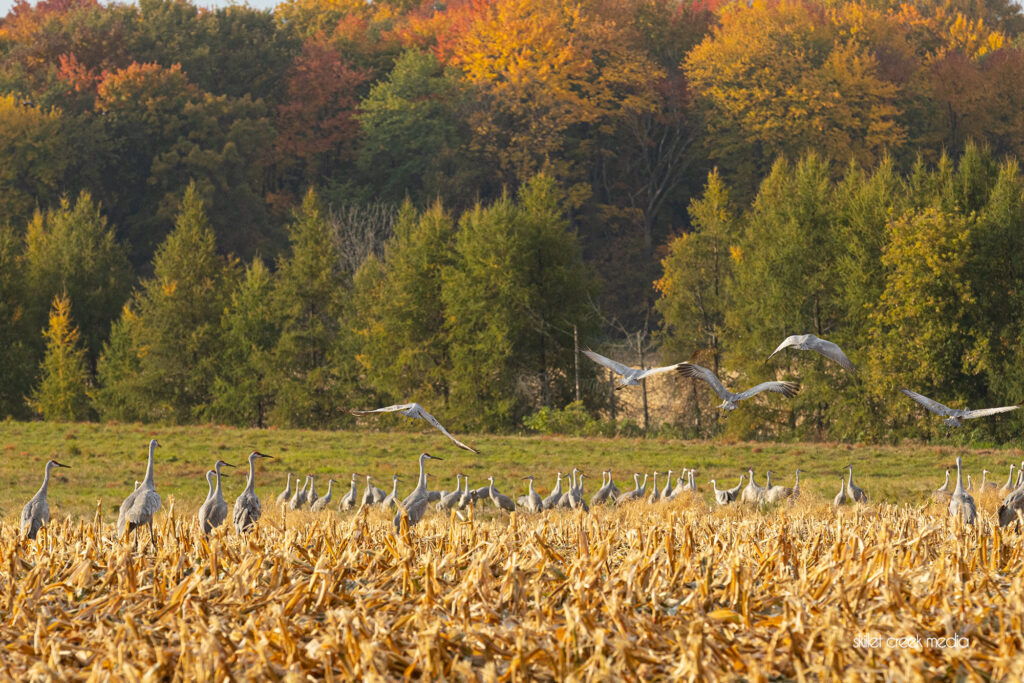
pixel 64 377
pixel 310 365
pixel 16 350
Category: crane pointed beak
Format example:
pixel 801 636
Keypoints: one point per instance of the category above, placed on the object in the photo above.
pixel 62 465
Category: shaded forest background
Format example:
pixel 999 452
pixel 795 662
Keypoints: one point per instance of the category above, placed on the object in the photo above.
pixel 270 217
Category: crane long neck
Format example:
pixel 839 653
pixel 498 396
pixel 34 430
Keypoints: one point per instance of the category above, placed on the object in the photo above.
pixel 217 492
pixel 330 485
pixel 394 487
pixel 959 477
pixel 288 487
pixel 250 485
pixel 46 481
pixel 148 481
pixel 422 485
pixel 209 482
pixel 693 484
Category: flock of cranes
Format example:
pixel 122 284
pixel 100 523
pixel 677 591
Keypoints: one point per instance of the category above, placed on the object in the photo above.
pixel 138 508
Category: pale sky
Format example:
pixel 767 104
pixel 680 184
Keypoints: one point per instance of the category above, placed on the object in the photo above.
pixel 5 5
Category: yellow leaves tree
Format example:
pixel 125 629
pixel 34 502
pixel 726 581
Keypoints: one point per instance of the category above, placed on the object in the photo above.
pixel 61 394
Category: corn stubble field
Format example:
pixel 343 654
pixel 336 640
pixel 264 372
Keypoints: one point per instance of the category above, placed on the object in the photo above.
pixel 672 591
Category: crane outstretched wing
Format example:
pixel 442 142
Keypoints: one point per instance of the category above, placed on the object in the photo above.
pixel 433 420
pixel 787 389
pixel 928 403
pixel 700 372
pixel 657 371
pixel 971 414
pixel 832 351
pixel 615 366
pixel 789 341
pixel 389 409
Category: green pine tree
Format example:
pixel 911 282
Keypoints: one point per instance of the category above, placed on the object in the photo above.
pixel 64 375
pixel 17 357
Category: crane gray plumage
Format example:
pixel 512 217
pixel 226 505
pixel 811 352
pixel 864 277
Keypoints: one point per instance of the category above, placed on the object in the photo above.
pixel 986 485
pixel 776 493
pixel 1009 485
pixel 500 500
pixel 285 496
pixel 416 411
pixel 682 484
pixel 855 492
pixel 311 495
pixel 299 499
pixel 840 498
pixel 214 511
pixel 468 497
pixel 943 494
pixel 325 500
pixel 451 499
pixel 531 502
pixel 577 501
pixel 36 512
pixel 796 486
pixel 556 494
pixel 953 416
pixel 961 505
pixel 722 496
pixel 565 501
pixel 734 492
pixel 368 493
pixel 604 494
pixel 415 504
pixel 1012 506
pixel 754 492
pixel 141 504
pixel 667 492
pixel 348 501
pixel 391 500
pixel 809 342
pixel 655 493
pixel 628 377
pixel 247 506
pixel 729 399
pixel 635 494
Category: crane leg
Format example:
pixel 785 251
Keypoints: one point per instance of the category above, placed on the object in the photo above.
pixel 152 537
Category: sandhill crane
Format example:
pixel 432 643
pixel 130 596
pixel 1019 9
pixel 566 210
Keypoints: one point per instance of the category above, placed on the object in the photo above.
pixel 856 493
pixel 416 411
pixel 722 496
pixel 451 499
pixel 734 492
pixel 613 490
pixel 311 495
pixel 682 484
pixel 953 416
pixel 368 495
pixel 754 492
pixel 970 485
pixel 36 512
pixel 247 506
pixel 603 493
pixel 415 504
pixel 840 498
pixel 776 493
pixel 501 501
pixel 348 501
pixel 301 494
pixel 215 510
pixel 630 377
pixel 808 342
pixel 655 493
pixel 961 504
pixel 325 500
pixel 566 500
pixel 391 500
pixel 729 399
pixel 211 477
pixel 532 502
pixel 1008 486
pixel 556 494
pixel 666 492
pixel 141 504
pixel 576 499
pixel 943 494
pixel 693 482
pixel 796 486
pixel 635 494
pixel 468 497
pixel 986 485
pixel 285 496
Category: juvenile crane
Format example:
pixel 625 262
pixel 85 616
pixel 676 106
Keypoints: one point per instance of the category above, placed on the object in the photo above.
pixel 36 512
pixel 729 399
pixel 415 411
pixel 247 506
pixel 141 504
pixel 415 504
pixel 215 510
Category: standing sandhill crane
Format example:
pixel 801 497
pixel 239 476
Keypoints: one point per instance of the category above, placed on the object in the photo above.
pixel 635 494
pixel 655 493
pixel 1008 486
pixel 391 500
pixel 36 512
pixel 368 495
pixel 722 496
pixel 943 494
pixel 961 504
pixel 215 510
pixel 970 485
pixel 986 485
pixel 325 500
pixel 501 501
pixel 808 342
pixel 311 496
pixel 415 504
pixel 285 496
pixel 141 504
pixel 468 497
pixel 451 499
pixel 953 416
pixel 348 501
pixel 576 499
pixel 211 477
pixel 682 483
pixel 563 501
pixel 776 493
pixel 301 494
pixel 247 506
pixel 796 486
pixel 693 482
pixel 532 502
pixel 556 494
pixel 1012 506
pixel 666 492
pixel 856 493
pixel 415 411
pixel 754 492
pixel 840 498
pixel 630 377
pixel 734 492
pixel 729 399
pixel 613 490
pixel 602 494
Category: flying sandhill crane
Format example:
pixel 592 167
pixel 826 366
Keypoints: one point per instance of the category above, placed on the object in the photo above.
pixel 348 501
pixel 299 499
pixel 285 496
pixel 247 506
pixel 734 492
pixel 451 499
pixel 953 416
pixel 531 502
pixel 215 510
pixel 856 493
pixel 808 342
pixel 655 493
pixel 754 492
pixel 391 500
pixel 1009 485
pixel 840 498
pixel 141 504
pixel 729 399
pixel 961 504
pixel 629 377
pixel 415 504
pixel 556 494
pixel 415 410
pixel 325 500
pixel 501 501
pixel 721 496
pixel 36 512
pixel 943 493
